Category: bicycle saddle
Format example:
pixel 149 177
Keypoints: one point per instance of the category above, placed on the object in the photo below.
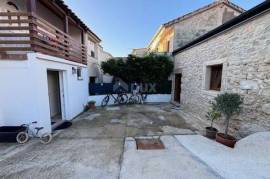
pixel 39 128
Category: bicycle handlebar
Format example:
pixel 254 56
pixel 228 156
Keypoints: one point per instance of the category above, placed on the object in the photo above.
pixel 29 124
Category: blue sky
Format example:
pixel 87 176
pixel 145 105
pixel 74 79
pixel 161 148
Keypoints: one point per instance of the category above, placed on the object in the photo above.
pixel 126 24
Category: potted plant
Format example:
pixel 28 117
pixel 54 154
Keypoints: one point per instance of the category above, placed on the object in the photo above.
pixel 228 104
pixel 212 115
pixel 92 104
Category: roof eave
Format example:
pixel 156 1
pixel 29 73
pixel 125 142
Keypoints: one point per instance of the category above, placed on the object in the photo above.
pixel 155 36
pixel 203 9
pixel 62 4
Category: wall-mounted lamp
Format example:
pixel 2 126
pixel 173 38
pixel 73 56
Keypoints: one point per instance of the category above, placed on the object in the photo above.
pixel 74 71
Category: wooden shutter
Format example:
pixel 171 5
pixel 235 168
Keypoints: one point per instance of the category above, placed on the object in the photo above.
pixel 216 77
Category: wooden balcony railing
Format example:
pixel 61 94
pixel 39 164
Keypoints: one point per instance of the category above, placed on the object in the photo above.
pixel 22 32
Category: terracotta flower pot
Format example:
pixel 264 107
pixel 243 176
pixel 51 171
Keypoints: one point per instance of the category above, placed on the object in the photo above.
pixel 211 132
pixel 92 105
pixel 227 140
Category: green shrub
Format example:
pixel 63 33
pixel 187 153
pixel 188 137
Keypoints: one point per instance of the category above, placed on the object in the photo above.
pixel 148 69
pixel 213 115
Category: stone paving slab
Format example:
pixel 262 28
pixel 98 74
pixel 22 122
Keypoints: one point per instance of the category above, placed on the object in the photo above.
pixel 174 162
pixel 248 160
pixel 66 158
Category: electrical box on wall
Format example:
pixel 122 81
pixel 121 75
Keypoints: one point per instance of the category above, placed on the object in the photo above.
pixel 74 71
pixel 248 85
pixel 267 61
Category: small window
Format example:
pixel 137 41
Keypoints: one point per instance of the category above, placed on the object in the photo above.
pixel 93 54
pixel 13 5
pixel 215 75
pixel 168 46
pixel 79 73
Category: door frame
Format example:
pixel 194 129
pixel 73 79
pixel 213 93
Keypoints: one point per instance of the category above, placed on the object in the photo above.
pixel 61 78
pixel 62 94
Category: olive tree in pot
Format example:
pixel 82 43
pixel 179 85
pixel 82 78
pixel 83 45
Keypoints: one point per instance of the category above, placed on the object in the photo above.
pixel 228 104
pixel 212 115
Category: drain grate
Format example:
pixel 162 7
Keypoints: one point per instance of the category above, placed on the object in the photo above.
pixel 149 144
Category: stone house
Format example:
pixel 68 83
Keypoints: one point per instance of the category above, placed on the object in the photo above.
pixel 234 57
pixel 139 52
pixel 180 31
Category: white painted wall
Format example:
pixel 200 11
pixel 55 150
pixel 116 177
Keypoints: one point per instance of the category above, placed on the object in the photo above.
pixel 24 90
pixel 94 64
pixel 153 98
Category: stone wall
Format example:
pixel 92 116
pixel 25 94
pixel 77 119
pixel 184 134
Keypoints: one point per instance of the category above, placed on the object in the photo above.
pixel 244 52
pixel 182 30
pixel 199 24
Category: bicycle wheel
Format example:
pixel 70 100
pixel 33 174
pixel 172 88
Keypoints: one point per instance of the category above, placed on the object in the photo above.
pixel 144 97
pixel 122 98
pixel 134 100
pixel 46 138
pixel 105 101
pixel 22 137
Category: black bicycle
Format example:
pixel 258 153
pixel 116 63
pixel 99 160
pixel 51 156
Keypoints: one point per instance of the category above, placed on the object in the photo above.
pixel 121 98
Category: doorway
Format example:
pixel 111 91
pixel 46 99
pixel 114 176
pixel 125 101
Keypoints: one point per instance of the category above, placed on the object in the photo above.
pixel 54 96
pixel 92 79
pixel 177 87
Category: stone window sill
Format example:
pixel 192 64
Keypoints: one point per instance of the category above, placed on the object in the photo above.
pixel 211 93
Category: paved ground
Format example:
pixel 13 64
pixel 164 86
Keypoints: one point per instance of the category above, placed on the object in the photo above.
pixel 175 162
pixel 100 144
pixel 248 160
pixel 93 146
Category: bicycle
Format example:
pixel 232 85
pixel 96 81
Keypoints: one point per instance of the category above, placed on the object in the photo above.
pixel 143 97
pixel 121 98
pixel 136 96
pixel 24 136
pixel 139 98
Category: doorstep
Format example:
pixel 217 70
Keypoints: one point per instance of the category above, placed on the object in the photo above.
pixel 176 104
pixel 57 124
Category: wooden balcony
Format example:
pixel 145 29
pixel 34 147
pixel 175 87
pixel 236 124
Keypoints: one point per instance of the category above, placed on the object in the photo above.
pixel 22 32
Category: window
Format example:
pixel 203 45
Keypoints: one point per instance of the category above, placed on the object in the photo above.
pixel 214 77
pixel 168 46
pixel 79 73
pixel 93 54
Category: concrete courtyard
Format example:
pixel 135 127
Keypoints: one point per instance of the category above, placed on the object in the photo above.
pixel 101 144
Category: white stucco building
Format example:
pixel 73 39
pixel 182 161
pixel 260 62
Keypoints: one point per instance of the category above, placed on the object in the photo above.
pixel 44 52
pixel 96 56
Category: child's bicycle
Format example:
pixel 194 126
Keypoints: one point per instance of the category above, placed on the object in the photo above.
pixel 24 136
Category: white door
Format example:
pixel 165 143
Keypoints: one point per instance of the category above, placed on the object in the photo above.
pixel 54 93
